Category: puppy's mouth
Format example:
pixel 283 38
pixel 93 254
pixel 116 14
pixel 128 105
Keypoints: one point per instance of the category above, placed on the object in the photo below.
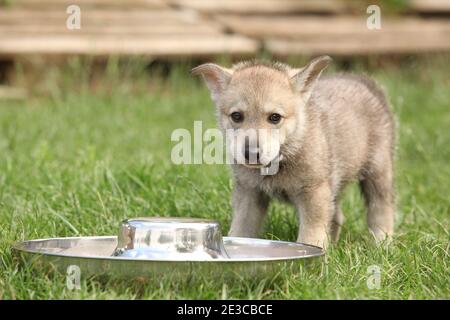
pixel 255 166
pixel 260 165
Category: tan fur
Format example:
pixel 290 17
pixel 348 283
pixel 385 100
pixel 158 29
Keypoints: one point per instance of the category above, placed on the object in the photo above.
pixel 335 129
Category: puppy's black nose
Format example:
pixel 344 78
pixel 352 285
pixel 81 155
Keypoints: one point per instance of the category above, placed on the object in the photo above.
pixel 251 155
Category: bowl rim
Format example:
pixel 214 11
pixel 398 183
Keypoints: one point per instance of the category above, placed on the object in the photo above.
pixel 20 246
pixel 171 220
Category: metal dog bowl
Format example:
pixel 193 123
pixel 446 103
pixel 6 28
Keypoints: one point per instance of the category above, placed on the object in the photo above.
pixel 170 239
pixel 175 248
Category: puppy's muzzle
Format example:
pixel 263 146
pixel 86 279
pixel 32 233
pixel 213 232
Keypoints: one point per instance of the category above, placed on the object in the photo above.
pixel 251 155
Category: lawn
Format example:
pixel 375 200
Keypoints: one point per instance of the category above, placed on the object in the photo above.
pixel 84 152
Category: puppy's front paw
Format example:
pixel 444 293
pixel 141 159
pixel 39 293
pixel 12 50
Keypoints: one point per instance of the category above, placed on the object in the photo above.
pixel 319 240
pixel 382 239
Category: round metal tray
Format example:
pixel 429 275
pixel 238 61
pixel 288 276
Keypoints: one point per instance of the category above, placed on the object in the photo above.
pixel 94 256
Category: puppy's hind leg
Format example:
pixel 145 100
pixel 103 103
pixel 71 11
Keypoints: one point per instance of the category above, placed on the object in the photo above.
pixel 378 191
pixel 250 208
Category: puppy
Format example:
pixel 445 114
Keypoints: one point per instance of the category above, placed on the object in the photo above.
pixel 330 130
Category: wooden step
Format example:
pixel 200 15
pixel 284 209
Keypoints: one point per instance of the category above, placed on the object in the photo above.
pixel 342 34
pixel 44 4
pixel 164 29
pixel 349 46
pixel 430 6
pixel 165 46
pixel 301 27
pixel 98 17
pixel 12 93
pixel 200 27
pixel 264 6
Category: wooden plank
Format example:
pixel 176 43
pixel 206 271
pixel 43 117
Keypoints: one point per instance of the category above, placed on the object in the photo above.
pixel 347 35
pixel 13 93
pixel 295 27
pixel 164 29
pixel 40 4
pixel 165 46
pixel 141 17
pixel 264 6
pixel 430 6
pixel 281 47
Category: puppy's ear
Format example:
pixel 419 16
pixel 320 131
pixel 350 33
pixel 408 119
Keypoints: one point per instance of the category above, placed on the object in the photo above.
pixel 305 78
pixel 216 77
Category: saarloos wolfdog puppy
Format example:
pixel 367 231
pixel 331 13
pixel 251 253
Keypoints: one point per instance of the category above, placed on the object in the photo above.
pixel 331 130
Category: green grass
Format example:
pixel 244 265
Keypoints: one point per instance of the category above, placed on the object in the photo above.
pixel 76 159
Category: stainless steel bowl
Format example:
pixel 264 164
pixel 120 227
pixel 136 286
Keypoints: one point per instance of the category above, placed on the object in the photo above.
pixel 170 239
pixel 161 248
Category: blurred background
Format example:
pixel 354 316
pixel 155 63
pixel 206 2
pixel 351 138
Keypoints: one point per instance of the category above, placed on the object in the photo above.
pixel 38 33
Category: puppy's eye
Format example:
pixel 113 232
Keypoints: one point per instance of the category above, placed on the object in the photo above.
pixel 274 118
pixel 237 117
